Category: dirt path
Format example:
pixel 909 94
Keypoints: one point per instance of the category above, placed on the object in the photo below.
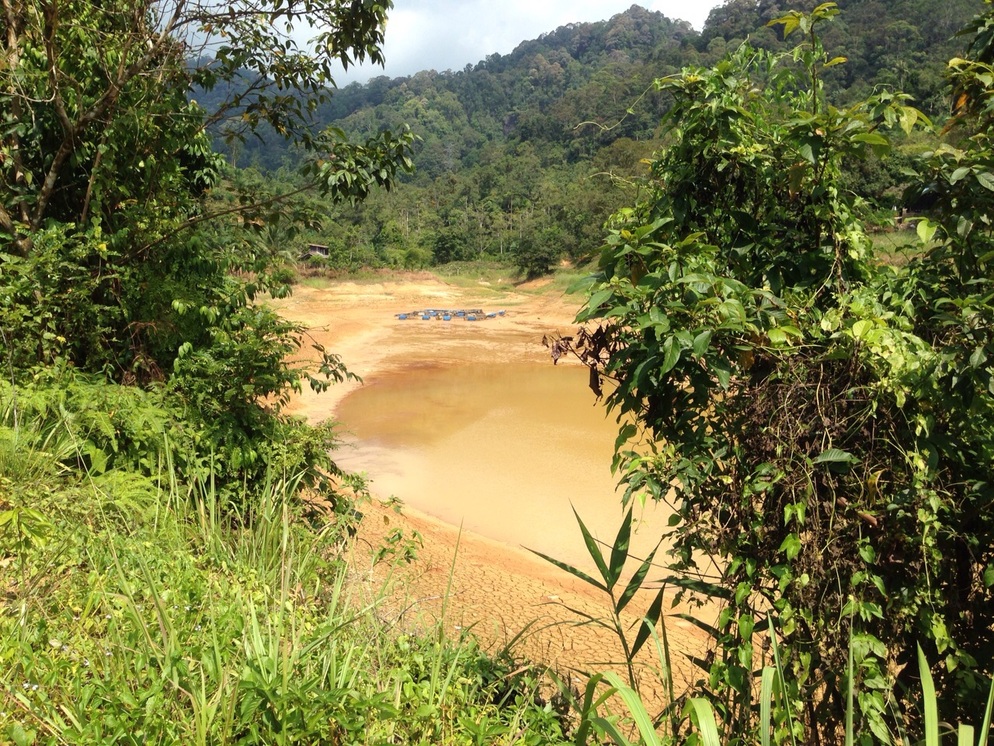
pixel 495 589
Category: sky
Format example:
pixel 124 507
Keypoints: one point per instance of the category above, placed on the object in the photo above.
pixel 449 34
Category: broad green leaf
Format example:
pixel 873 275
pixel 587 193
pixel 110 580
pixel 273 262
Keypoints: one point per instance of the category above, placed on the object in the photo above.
pixel 871 138
pixel 959 174
pixel 909 117
pixel 671 349
pixel 986 180
pixel 926 230
pixel 791 545
pixel 701 342
pixel 834 456
pixel 777 336
pixel 810 149
pixel 861 328
pixel 599 298
pixel 989 576
pixel 789 23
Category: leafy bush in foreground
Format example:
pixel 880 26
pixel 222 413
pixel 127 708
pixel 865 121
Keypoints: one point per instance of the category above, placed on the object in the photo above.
pixel 822 423
pixel 137 613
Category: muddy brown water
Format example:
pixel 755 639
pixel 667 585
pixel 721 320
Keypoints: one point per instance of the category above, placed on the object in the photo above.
pixel 504 450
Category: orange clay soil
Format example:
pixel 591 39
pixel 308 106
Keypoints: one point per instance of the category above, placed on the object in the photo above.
pixel 495 589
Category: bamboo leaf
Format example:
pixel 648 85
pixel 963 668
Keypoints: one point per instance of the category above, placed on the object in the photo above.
pixel 619 551
pixel 575 572
pixel 636 581
pixel 702 625
pixel 652 616
pixel 594 551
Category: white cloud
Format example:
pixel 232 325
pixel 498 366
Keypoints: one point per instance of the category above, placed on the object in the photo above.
pixel 450 34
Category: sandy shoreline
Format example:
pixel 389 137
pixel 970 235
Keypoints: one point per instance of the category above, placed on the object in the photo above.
pixel 495 589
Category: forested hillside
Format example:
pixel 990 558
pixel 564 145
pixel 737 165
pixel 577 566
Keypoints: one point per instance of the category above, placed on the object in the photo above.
pixel 525 155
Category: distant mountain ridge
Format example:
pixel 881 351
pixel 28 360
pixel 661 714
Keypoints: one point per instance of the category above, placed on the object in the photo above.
pixel 546 88
pixel 528 153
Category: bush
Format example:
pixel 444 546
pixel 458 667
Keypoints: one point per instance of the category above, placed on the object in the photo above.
pixel 821 422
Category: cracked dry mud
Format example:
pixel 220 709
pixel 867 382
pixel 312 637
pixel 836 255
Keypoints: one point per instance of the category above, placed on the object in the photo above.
pixel 493 587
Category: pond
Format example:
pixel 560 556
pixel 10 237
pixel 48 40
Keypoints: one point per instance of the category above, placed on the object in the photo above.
pixel 503 450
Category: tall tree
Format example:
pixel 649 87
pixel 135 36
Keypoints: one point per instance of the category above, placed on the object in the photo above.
pixel 110 256
pixel 103 156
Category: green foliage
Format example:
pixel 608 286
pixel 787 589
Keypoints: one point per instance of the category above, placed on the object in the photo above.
pixel 148 612
pixel 611 571
pixel 819 421
pixel 114 259
pixel 537 252
pixel 523 157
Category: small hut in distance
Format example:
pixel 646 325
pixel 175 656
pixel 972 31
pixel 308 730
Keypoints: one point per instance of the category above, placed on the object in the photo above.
pixel 315 249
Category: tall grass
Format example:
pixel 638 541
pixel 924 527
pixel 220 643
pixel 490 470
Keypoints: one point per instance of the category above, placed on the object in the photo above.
pixel 149 610
pixel 615 709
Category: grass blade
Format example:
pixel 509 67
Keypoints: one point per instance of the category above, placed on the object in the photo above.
pixel 606 726
pixel 780 677
pixel 706 725
pixel 965 735
pixel 851 673
pixel 928 701
pixel 634 704
pixel 985 729
pixel 766 704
